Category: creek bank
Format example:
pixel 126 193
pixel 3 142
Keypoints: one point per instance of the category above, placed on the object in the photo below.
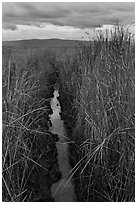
pixel 69 116
pixel 83 180
pixel 43 165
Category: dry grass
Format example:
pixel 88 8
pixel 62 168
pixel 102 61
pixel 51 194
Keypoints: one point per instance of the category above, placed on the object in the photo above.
pixel 98 101
pixel 26 90
pixel 102 82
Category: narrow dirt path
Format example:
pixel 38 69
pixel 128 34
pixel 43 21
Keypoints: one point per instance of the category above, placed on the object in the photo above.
pixel 62 191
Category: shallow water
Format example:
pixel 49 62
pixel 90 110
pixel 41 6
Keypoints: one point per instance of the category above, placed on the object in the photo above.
pixel 62 191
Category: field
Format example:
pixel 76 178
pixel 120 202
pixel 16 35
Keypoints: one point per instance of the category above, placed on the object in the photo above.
pixel 96 81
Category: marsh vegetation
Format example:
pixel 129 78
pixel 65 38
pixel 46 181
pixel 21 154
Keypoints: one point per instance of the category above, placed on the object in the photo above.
pixel 97 97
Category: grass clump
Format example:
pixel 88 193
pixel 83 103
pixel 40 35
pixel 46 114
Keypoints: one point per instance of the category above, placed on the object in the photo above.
pixel 26 104
pixel 104 99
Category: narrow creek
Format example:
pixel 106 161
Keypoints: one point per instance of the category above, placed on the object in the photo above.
pixel 63 190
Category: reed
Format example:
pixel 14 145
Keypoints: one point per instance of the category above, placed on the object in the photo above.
pixel 101 81
pixel 26 104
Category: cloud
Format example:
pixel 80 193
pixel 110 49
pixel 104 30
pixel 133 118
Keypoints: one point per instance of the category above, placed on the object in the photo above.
pixel 47 32
pixel 68 20
pixel 82 15
pixel 9 26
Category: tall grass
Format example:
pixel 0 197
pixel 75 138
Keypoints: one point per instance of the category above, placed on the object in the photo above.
pixel 26 94
pixel 102 83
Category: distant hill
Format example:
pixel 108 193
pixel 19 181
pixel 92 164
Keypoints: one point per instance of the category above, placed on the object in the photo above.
pixel 40 43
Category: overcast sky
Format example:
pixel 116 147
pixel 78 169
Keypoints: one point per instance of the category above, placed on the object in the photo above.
pixel 62 20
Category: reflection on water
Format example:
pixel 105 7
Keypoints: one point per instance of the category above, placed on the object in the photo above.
pixel 62 191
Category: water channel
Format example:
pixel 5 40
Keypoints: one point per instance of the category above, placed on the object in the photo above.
pixel 63 190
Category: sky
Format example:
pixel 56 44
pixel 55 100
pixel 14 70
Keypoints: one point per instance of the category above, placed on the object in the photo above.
pixel 64 20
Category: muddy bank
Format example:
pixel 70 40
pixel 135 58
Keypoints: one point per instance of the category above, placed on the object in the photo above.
pixel 45 172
